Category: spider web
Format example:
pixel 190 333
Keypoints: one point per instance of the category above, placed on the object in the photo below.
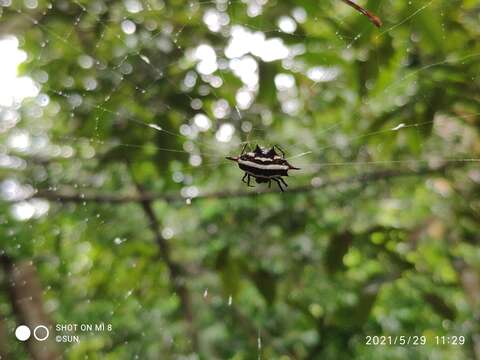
pixel 338 149
pixel 212 150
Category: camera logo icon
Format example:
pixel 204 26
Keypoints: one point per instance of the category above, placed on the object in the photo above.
pixel 40 333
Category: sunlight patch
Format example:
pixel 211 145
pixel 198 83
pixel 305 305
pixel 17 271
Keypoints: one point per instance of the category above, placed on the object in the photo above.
pixel 225 133
pixel 243 41
pixel 202 122
pixel 287 24
pixel 128 27
pixel 323 74
pixel 207 59
pixel 13 89
pixel 25 210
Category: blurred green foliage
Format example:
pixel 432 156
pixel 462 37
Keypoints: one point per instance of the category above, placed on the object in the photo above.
pixel 278 276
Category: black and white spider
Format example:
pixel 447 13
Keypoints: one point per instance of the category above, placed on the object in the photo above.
pixel 264 165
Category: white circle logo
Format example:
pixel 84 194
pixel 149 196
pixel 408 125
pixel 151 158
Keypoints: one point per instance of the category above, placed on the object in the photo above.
pixel 41 327
pixel 22 333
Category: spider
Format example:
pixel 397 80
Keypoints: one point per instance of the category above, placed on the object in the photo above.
pixel 264 165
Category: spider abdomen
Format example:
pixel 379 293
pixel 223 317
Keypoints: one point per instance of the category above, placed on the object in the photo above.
pixel 265 170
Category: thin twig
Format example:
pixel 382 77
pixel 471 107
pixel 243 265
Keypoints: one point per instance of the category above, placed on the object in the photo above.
pixel 103 197
pixel 175 269
pixel 373 18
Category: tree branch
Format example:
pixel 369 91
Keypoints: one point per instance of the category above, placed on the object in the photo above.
pixel 24 290
pixel 175 270
pixel 67 195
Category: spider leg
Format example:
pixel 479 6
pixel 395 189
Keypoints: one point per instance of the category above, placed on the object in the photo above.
pixel 244 176
pixel 248 180
pixel 280 149
pixel 278 183
pixel 244 147
pixel 283 181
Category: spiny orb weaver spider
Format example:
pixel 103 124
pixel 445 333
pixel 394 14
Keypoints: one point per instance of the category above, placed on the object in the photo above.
pixel 264 165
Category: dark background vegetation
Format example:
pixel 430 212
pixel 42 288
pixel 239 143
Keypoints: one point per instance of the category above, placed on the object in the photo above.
pixel 185 261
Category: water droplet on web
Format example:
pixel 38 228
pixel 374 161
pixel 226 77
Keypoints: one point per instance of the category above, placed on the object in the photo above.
pixel 230 300
pixel 398 127
pixel 144 58
pixel 119 241
pixel 156 127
